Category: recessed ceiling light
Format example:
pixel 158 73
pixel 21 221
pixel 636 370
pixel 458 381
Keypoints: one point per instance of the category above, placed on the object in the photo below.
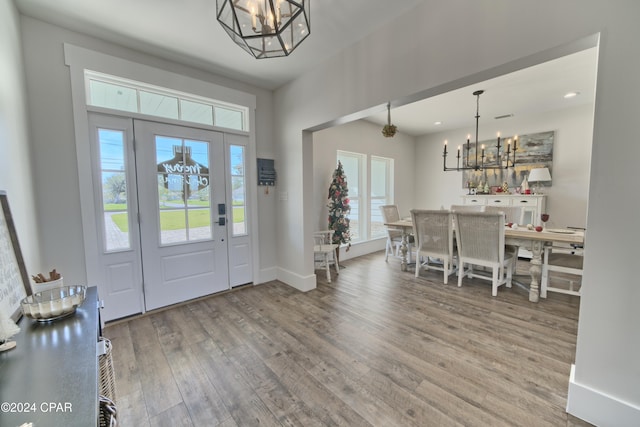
pixel 504 116
pixel 437 123
pixel 571 95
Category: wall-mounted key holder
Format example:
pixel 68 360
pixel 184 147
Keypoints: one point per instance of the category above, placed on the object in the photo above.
pixel 266 172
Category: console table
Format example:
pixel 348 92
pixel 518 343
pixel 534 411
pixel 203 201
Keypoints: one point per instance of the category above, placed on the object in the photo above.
pixel 532 205
pixel 51 377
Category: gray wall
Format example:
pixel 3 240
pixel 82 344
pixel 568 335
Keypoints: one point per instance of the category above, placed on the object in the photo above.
pixel 54 150
pixel 15 160
pixel 440 42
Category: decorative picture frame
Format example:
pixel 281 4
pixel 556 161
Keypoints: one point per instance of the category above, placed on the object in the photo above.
pixel 534 151
pixel 14 281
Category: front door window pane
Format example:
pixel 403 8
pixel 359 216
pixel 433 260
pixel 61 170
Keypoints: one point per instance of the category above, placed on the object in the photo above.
pixel 111 144
pixel 183 190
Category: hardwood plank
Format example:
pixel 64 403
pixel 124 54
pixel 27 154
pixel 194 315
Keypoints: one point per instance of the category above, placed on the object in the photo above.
pixel 242 402
pixel 126 373
pixel 176 416
pixel 198 393
pixel 132 409
pixel 326 406
pixel 158 384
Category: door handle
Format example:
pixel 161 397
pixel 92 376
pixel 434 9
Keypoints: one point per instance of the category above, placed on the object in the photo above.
pixel 221 221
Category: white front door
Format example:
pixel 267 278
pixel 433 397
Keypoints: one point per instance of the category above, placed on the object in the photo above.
pixel 182 205
pixel 171 217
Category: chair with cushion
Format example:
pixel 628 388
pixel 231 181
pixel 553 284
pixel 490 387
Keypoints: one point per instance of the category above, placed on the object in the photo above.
pixel 390 213
pixel 561 260
pixel 480 241
pixel 433 231
pixel 324 252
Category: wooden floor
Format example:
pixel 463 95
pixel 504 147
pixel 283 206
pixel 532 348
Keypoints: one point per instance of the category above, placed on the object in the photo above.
pixel 375 347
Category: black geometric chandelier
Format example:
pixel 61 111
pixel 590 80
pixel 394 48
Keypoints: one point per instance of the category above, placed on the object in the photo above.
pixel 265 28
pixel 503 160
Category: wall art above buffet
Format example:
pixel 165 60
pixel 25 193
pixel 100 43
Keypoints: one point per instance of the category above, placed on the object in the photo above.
pixel 535 150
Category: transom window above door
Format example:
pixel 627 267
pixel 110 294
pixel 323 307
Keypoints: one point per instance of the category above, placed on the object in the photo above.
pixel 121 94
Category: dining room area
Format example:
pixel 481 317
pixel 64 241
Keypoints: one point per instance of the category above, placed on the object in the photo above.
pixel 522 140
pixel 514 189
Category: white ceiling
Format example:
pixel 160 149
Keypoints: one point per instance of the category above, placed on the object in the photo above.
pixel 530 91
pixel 187 32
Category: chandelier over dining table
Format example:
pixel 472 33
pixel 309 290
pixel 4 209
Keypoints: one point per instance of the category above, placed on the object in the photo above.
pixel 265 28
pixel 502 160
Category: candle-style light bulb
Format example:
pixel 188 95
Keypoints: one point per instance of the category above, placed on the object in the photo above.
pixel 445 146
pixel 253 16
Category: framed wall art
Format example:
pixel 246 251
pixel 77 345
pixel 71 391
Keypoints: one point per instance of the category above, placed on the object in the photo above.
pixel 14 282
pixel 534 151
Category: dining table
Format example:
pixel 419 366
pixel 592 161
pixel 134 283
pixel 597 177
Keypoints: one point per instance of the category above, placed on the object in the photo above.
pixel 521 236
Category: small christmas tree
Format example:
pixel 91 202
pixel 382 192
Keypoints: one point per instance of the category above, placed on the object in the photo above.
pixel 339 208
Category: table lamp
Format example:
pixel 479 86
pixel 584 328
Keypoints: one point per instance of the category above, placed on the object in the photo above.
pixel 539 175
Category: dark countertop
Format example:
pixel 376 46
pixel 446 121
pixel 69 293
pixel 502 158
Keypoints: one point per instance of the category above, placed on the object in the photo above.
pixel 53 371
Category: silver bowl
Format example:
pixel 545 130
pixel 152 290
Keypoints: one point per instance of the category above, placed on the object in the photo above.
pixel 53 304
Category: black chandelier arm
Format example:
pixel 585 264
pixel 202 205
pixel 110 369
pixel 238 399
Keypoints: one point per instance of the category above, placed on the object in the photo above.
pixel 503 159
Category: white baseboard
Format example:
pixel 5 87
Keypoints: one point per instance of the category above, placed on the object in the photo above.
pixel 267 275
pixel 364 248
pixel 301 283
pixel 599 408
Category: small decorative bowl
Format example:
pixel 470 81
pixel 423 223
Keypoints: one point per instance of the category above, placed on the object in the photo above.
pixel 53 304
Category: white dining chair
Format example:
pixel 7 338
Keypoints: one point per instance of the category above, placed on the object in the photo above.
pixel 433 231
pixel 513 214
pixel 390 213
pixel 324 252
pixel 561 260
pixel 480 241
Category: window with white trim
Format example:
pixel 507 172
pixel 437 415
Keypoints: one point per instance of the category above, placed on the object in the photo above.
pixel 121 94
pixel 353 165
pixel 367 192
pixel 380 193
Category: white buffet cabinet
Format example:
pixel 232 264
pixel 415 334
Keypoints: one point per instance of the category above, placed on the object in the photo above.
pixel 532 206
